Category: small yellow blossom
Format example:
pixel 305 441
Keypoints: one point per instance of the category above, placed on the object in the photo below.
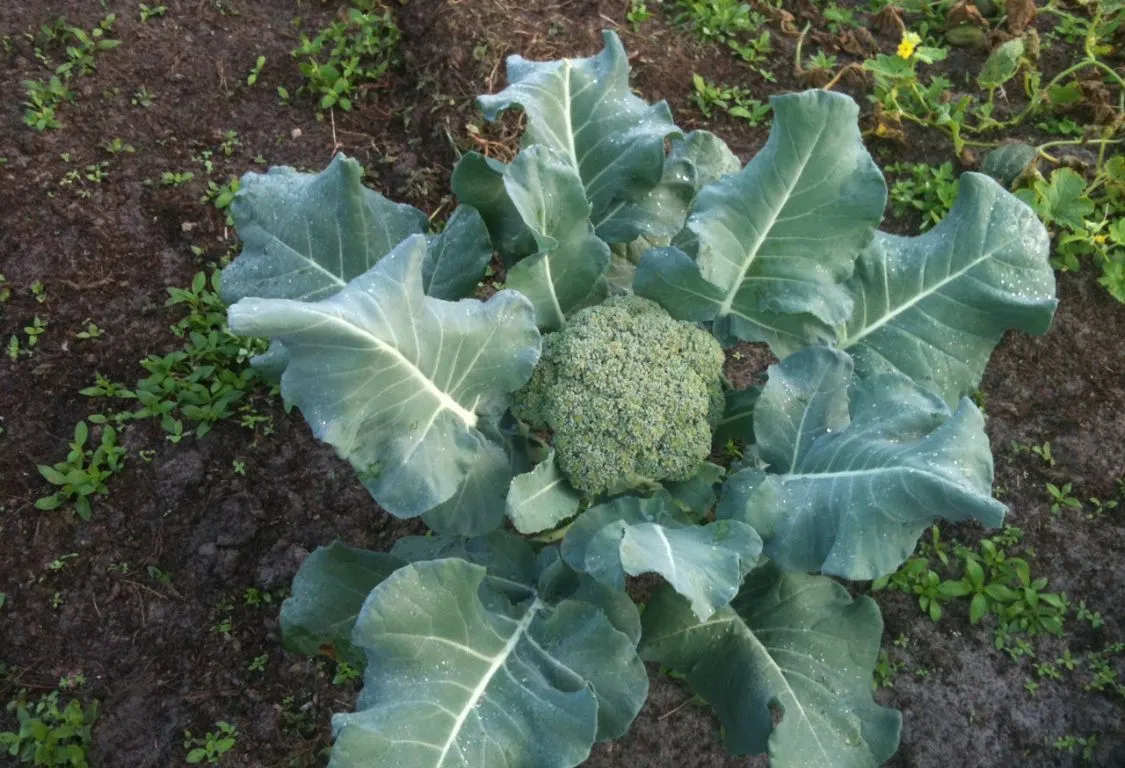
pixel 910 42
pixel 1100 239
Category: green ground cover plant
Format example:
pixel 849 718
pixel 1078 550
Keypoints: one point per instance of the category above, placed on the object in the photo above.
pixel 626 245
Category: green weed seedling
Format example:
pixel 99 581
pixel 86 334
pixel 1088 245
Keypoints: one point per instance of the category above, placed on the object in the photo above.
pixel 256 71
pixel 924 188
pixel 84 472
pixel 44 97
pixel 343 58
pixel 48 735
pixel 733 100
pixel 212 745
pixel 1061 498
pixel 152 11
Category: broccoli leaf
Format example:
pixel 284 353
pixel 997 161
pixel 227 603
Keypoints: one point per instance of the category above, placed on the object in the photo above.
pixel 934 306
pixel 477 507
pixel 397 381
pixel 541 498
pixel 328 592
pixel 793 641
pixel 456 259
pixel 561 274
pixel 631 535
pixel 507 557
pixel 778 239
pixel 479 181
pixel 306 235
pixel 584 110
pixel 850 496
pixel 696 160
pixel 462 673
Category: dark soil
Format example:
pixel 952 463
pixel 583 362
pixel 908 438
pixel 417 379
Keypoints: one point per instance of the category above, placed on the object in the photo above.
pixel 149 649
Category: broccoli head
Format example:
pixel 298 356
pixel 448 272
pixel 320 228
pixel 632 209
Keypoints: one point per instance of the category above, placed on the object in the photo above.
pixel 630 394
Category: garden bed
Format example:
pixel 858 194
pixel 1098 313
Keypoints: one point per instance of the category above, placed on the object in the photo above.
pixel 163 606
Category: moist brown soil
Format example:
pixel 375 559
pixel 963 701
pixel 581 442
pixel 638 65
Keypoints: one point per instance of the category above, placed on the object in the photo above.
pixel 149 650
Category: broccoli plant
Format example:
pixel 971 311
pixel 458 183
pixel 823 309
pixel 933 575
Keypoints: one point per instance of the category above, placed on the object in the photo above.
pixel 555 437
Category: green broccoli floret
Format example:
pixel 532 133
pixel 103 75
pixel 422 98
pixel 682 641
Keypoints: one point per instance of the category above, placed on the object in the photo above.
pixel 630 393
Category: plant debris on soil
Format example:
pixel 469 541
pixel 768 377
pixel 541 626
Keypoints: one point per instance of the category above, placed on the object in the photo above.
pixel 163 606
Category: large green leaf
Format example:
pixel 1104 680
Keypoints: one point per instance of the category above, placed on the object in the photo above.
pixel 506 556
pixel 306 235
pixel 850 496
pixel 462 675
pixel 934 306
pixel 542 498
pixel 561 274
pixel 584 110
pixel 791 641
pixel 776 241
pixel 328 591
pixel 631 535
pixel 397 381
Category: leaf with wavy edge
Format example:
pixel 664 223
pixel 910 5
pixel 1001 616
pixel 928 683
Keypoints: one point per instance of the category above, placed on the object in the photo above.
pixel 397 381
pixel 560 276
pixel 542 498
pixel 789 640
pixel 850 495
pixel 460 675
pixel 328 591
pixel 631 536
pixel 933 307
pixel 584 110
pixel 696 160
pixel 779 237
pixel 306 235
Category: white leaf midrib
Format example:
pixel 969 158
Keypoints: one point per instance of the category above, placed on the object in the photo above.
pixel 496 664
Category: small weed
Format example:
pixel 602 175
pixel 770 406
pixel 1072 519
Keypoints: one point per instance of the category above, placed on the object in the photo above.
pixel 256 71
pixel 345 672
pixel 212 745
pixel 637 14
pixel 1061 498
pixel 50 735
pixel 143 97
pixel 259 663
pixel 175 179
pixel 92 331
pixel 84 472
pixel 1084 746
pixel 152 12
pixel 353 52
pixel 924 188
pixel 733 100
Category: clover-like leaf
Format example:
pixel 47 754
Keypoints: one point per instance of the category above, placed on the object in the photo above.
pixel 934 306
pixel 397 381
pixel 790 642
pixel 850 495
pixel 463 673
pixel 631 536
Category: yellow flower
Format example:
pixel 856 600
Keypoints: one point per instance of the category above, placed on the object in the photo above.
pixel 1100 239
pixel 910 42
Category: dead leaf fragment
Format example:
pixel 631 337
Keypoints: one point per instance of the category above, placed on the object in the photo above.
pixel 964 12
pixel 1020 14
pixel 889 22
